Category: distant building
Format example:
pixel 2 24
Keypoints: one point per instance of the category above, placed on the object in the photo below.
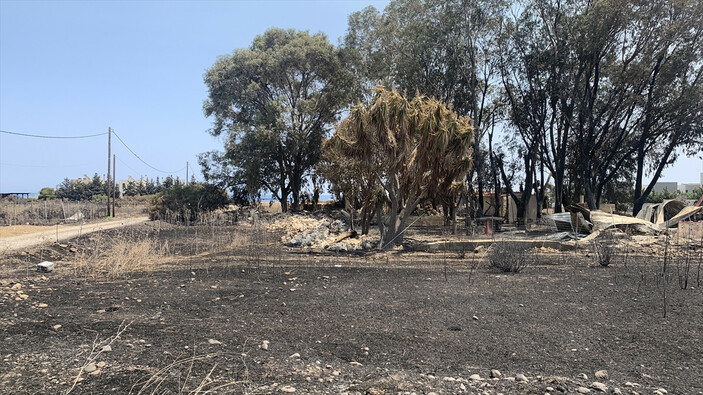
pixel 122 184
pixel 686 188
pixel 665 186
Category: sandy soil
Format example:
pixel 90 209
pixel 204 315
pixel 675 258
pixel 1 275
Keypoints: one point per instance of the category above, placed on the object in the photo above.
pixel 14 238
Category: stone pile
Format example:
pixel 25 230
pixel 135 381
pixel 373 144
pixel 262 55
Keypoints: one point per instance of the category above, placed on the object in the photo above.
pixel 319 233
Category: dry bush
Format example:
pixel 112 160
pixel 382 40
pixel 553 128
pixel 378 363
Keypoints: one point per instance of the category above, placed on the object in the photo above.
pixel 181 377
pixel 510 257
pixel 119 256
pixel 605 248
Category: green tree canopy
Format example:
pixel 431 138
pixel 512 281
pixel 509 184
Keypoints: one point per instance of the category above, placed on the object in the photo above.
pixel 276 101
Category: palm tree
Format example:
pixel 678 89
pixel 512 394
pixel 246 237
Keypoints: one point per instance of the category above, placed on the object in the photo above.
pixel 414 149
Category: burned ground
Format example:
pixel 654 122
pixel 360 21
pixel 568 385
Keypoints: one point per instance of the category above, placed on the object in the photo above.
pixel 397 321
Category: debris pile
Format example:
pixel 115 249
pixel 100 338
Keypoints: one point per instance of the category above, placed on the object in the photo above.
pixel 322 233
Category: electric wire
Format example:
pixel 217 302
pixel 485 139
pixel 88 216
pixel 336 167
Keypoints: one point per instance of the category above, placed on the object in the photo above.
pixel 87 136
pixel 142 160
pixel 52 137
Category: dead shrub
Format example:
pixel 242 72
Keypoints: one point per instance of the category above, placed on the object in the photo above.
pixel 510 257
pixel 605 248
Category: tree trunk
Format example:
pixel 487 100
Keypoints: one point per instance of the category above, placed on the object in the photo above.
pixel 379 218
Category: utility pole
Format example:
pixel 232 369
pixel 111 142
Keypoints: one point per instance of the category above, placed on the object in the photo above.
pixel 186 173
pixel 114 180
pixel 109 154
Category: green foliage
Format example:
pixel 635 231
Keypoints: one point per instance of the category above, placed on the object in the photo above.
pixel 659 197
pixel 693 195
pixel 81 189
pixel 276 100
pixel 184 203
pixel 47 193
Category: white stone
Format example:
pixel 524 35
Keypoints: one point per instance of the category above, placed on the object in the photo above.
pixel 602 374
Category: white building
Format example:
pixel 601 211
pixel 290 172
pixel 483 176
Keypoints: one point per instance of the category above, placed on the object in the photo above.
pixel 686 188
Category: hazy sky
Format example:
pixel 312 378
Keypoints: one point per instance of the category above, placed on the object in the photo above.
pixel 76 68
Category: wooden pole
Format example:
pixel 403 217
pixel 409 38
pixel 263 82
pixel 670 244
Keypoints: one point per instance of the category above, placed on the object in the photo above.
pixel 186 173
pixel 114 190
pixel 109 154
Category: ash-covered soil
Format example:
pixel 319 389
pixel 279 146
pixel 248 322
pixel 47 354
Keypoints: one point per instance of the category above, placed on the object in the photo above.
pixel 233 310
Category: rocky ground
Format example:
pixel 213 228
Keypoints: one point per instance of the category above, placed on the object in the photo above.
pixel 236 310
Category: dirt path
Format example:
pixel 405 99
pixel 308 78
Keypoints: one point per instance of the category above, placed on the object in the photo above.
pixel 62 232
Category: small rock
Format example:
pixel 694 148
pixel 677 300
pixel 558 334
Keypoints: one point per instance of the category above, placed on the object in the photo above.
pixel 100 364
pixel 56 327
pixel 662 390
pixel 475 318
pixel 450 379
pixel 89 368
pixel 16 287
pixel 630 384
pixel 107 348
pixel 265 345
pixel 42 305
pixel 354 363
pixel 213 286
pixel 295 356
pixel 214 342
pixel 95 372
pixel 617 391
pixel 583 376
pixel 495 374
pixel 602 374
pixel 599 386
pixel 549 389
pixel 287 388
pixel 336 373
pixel 521 378
pixel 475 377
pixel 462 386
pixel 101 311
pixel 582 390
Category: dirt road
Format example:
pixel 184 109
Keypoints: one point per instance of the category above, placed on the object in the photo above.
pixel 63 232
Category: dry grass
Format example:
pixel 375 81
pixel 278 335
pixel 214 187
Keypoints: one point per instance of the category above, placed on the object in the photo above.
pixel 119 256
pixel 181 377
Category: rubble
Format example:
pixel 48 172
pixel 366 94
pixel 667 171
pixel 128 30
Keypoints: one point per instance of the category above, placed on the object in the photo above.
pixel 321 233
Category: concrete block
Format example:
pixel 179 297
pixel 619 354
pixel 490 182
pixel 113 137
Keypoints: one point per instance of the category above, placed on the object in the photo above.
pixel 45 267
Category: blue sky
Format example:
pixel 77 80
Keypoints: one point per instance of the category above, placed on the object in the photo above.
pixel 71 68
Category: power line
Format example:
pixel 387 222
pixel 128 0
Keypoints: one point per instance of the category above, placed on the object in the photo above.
pixel 52 137
pixel 142 160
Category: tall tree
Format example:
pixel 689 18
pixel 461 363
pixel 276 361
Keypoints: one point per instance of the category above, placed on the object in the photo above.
pixel 277 100
pixel 416 149
pixel 436 48
pixel 671 71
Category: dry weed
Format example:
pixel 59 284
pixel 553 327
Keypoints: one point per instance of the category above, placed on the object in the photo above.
pixel 119 256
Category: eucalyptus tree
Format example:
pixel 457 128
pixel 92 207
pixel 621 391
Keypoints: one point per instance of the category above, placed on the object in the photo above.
pixel 276 100
pixel 670 115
